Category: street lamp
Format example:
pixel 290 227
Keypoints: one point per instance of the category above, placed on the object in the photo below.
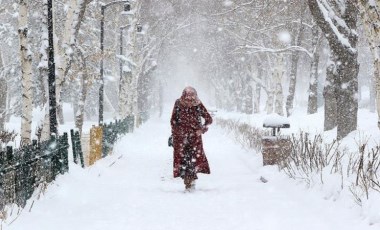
pixel 127 7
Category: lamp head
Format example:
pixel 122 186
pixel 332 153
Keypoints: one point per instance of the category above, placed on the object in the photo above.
pixel 127 6
pixel 139 27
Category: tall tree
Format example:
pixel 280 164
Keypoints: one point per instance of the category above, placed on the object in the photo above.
pixel 329 94
pixel 3 96
pixel 337 20
pixel 258 88
pixel 312 105
pixel 297 39
pixel 44 70
pixel 26 71
pixel 370 15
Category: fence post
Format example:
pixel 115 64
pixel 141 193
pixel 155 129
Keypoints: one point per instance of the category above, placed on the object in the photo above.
pixel 9 155
pixel 2 189
pixel 65 153
pixel 33 170
pixel 9 177
pixel 2 159
pixel 78 148
pixel 105 142
pixel 53 157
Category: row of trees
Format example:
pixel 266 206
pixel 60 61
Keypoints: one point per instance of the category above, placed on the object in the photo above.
pixel 247 52
pixel 24 70
pixel 280 47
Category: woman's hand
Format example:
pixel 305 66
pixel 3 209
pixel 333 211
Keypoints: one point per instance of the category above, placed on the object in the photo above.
pixel 199 132
pixel 202 130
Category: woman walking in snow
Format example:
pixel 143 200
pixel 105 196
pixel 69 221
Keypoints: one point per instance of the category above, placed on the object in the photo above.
pixel 187 130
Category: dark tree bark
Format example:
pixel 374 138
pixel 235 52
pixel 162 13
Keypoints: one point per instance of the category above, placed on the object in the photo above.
pixel 339 28
pixel 312 105
pixel 329 96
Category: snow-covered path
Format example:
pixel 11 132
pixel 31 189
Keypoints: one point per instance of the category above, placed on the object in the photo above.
pixel 134 190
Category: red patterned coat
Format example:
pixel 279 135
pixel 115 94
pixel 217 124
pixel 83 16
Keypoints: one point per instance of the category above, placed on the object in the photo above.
pixel 185 122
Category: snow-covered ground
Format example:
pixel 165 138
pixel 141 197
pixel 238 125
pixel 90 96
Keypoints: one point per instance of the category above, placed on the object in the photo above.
pixel 134 189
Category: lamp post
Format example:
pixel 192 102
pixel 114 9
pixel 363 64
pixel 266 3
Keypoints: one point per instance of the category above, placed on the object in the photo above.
pixel 127 7
pixel 51 80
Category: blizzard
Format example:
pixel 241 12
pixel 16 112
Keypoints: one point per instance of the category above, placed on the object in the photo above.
pixel 134 189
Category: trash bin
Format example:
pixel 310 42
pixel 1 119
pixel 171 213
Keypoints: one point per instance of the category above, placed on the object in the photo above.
pixel 276 148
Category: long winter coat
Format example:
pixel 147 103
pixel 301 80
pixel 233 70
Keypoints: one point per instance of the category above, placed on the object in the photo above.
pixel 185 122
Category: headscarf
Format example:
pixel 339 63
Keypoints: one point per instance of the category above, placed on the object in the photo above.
pixel 189 97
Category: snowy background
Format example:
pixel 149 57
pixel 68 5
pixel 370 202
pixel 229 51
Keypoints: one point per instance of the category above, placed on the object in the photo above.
pixel 134 188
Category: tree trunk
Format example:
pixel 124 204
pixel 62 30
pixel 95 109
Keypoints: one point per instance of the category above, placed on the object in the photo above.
pixel 128 85
pixel 342 37
pixel 248 102
pixel 8 114
pixel 64 56
pixel 347 94
pixel 135 58
pixel 372 95
pixel 74 18
pixel 79 116
pixel 258 89
pixel 26 70
pixel 123 92
pixel 3 101
pixel 44 72
pixel 160 98
pixel 3 97
pixel 329 96
pixel 369 12
pixel 270 99
pixel 292 83
pixel 279 97
pixel 312 105
pixel 294 66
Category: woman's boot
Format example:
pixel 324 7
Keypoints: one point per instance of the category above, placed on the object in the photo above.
pixel 187 181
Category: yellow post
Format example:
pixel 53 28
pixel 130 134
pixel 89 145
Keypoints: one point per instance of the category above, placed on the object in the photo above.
pixel 96 144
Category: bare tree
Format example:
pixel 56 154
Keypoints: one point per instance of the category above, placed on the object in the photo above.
pixel 26 70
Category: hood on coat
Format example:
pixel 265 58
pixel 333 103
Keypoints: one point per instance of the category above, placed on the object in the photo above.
pixel 189 97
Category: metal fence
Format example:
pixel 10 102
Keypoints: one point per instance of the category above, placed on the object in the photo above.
pixel 23 170
pixel 114 130
pixel 101 140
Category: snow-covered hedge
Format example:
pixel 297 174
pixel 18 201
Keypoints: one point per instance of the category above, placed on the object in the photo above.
pixel 336 169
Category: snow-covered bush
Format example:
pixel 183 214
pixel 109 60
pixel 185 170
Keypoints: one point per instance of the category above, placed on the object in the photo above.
pixel 317 162
pixel 245 134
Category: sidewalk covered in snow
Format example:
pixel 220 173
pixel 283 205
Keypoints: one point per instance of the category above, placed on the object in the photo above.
pixel 134 189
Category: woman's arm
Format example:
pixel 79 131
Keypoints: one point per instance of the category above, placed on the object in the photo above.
pixel 173 119
pixel 206 115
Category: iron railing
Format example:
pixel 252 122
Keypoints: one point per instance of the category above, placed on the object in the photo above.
pixel 23 170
